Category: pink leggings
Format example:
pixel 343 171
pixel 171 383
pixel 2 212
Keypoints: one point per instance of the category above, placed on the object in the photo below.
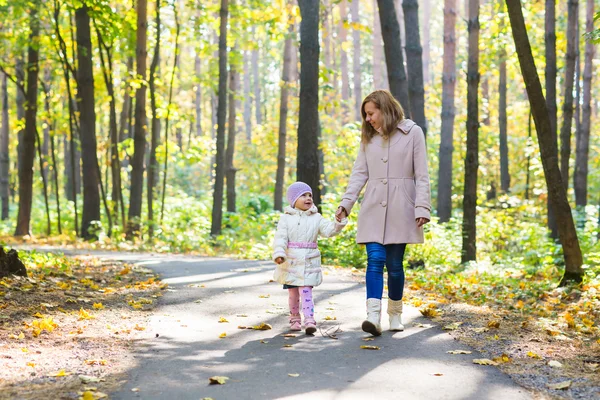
pixel 302 295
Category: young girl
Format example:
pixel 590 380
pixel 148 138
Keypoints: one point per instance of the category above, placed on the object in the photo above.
pixel 296 253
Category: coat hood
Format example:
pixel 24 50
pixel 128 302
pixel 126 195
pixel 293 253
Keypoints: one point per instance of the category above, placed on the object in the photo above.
pixel 294 211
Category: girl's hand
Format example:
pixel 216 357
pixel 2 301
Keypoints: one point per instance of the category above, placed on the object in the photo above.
pixel 340 214
pixel 279 260
pixel 421 221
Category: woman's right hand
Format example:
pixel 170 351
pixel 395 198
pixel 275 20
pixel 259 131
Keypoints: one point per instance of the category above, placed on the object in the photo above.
pixel 279 260
pixel 340 214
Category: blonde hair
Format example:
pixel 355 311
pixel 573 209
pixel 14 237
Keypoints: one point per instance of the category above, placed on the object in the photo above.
pixel 391 112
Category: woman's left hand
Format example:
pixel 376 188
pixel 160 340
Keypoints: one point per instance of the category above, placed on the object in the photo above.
pixel 421 221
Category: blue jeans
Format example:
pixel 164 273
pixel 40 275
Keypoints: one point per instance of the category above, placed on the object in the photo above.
pixel 391 256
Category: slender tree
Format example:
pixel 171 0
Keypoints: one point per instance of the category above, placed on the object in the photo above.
pixel 283 112
pixel 356 67
pixel 444 200
pixel 217 210
pixel 307 169
pixel 583 136
pixel 548 150
pixel 247 97
pixel 502 123
pixel 426 41
pixel 565 130
pixel 469 245
pixel 230 169
pixel 550 84
pixel 343 35
pixel 4 154
pixel 27 140
pixel 390 30
pixel 380 80
pixel 414 63
pixel 139 131
pixel 257 83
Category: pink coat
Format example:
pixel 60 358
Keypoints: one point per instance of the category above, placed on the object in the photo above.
pixel 395 172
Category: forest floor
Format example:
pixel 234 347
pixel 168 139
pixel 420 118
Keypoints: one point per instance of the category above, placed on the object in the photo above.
pixel 71 330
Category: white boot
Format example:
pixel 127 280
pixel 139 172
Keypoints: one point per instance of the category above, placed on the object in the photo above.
pixel 372 324
pixel 395 313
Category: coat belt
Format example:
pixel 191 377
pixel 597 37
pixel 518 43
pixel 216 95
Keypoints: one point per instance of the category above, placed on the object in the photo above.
pixel 302 245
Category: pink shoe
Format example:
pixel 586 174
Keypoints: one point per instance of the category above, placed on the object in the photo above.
pixel 295 322
pixel 310 326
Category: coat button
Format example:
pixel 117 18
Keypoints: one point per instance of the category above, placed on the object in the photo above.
pixel 384 159
pixel 384 203
pixel 384 181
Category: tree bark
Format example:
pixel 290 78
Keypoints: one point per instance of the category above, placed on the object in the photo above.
pixel 357 94
pixel 307 169
pixel 217 210
pixel 550 83
pixel 343 35
pixel 565 131
pixel 503 125
pixel 85 95
pixel 139 130
pixel 247 98
pixel 444 205
pixel 583 138
pixel 283 112
pixel 556 189
pixel 27 140
pixel 230 170
pixel 390 30
pixel 414 63
pixel 4 153
pixel 257 100
pixel 469 231
pixel 152 174
pixel 198 93
pixel 380 79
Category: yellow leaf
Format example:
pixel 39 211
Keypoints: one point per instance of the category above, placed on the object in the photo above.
pixel 98 306
pixel 87 395
pixel 288 335
pixel 484 361
pixel 493 323
pixel 569 320
pixel 83 314
pixel 459 352
pixel 139 328
pixel 24 350
pixel 31 364
pixel 452 326
pixel 125 271
pixel 217 380
pixel 264 296
pixel 223 319
pixel 370 347
pixel 429 312
pixel 38 315
pixel 287 345
pixel 95 362
pixel 223 335
pixel 559 385
pixel 533 355
pixel 520 304
pixel 328 318
pixel 60 373
pixel 502 359
pixel 368 339
pixel 262 327
pixel 294 375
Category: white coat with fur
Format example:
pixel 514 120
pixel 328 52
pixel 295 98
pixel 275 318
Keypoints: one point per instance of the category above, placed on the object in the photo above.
pixel 302 267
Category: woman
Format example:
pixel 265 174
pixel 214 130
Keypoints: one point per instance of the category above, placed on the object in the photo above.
pixel 393 161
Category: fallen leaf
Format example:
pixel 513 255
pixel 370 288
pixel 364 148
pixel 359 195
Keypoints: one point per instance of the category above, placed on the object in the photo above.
pixel 222 319
pixel 368 339
pixel 533 355
pixel 264 296
pixel 217 380
pixel 502 359
pixel 95 362
pixel 31 364
pixel 88 379
pixel 38 315
pixel 480 330
pixel 438 374
pixel 98 306
pixel 135 389
pixel 140 328
pixel 429 312
pixel 370 347
pixel 83 314
pixel 559 385
pixel 294 375
pixel 288 335
pixel 493 323
pixel 328 318
pixel 459 352
pixel 60 373
pixel 555 364
pixel 198 301
pixel 287 345
pixel 452 326
pixel 592 366
pixel 264 341
pixel 263 326
pixel 484 361
pixel 223 335
pixel 87 395
pixel 24 349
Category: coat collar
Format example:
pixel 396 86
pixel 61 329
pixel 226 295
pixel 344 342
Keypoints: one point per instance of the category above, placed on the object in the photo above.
pixel 294 211
pixel 406 125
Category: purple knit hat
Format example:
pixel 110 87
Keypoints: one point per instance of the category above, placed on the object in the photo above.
pixel 295 190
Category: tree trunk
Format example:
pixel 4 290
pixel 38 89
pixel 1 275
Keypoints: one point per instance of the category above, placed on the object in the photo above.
pixel 230 170
pixel 414 63
pixel 565 131
pixel 394 60
pixel 583 138
pixel 27 140
pixel 400 17
pixel 343 37
pixel 4 154
pixel 307 164
pixel 20 100
pixel 469 231
pixel 124 119
pixel 44 182
pixel 503 123
pixel 556 189
pixel 426 41
pixel 257 100
pixel 217 210
pixel 85 95
pixel 283 111
pixel 152 173
pixel 139 131
pixel 357 94
pixel 198 93
pixel 55 168
pixel 247 98
pixel 46 130
pixel 444 205
pixel 528 165
pixel 380 79
pixel 550 83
